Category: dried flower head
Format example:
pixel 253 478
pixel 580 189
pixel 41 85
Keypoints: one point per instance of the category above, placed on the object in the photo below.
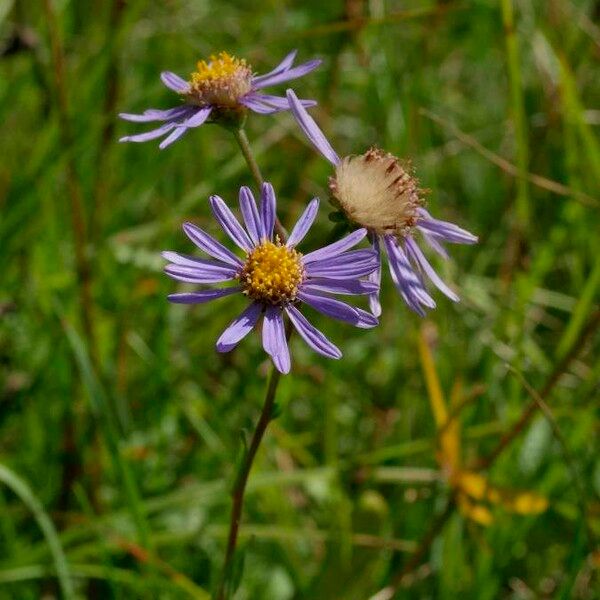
pixel 220 89
pixel 274 276
pixel 377 191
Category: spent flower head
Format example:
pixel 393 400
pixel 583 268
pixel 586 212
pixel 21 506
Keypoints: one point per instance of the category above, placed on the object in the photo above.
pixel 377 191
pixel 221 89
pixel 274 277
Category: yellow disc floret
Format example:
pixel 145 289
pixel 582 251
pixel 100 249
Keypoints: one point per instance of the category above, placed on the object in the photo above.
pixel 220 81
pixel 272 273
pixel 219 66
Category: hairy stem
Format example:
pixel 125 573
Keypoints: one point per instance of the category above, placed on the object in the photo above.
pixel 241 479
pixel 244 144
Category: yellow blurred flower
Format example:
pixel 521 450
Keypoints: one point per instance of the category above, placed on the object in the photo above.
pixel 474 494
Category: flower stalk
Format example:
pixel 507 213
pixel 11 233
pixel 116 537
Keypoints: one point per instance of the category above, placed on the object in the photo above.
pixel 244 144
pixel 241 480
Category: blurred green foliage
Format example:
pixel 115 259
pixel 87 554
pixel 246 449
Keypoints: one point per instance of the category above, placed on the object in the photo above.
pixel 129 440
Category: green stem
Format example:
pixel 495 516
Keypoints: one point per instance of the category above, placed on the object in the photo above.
pixel 244 144
pixel 266 414
pixel 242 140
pixel 241 479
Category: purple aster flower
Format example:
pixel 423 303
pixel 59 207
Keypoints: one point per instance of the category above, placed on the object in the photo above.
pixel 223 86
pixel 378 192
pixel 274 276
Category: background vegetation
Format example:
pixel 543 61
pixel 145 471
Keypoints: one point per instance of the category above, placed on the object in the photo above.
pixel 120 425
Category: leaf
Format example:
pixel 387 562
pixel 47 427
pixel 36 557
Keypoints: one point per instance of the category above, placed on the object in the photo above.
pixel 535 446
pixel 23 491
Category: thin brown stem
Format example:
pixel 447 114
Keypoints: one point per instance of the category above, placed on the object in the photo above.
pixel 73 183
pixel 568 456
pixel 85 304
pixel 111 94
pixel 533 406
pixel 241 480
pixel 244 144
pixel 538 180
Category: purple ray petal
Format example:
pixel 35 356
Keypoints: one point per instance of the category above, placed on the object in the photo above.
pixel 335 286
pixel 191 261
pixel 174 82
pixel 411 277
pixel 337 247
pixel 415 253
pixel 202 296
pixel 281 102
pixel 230 224
pixel 267 104
pixel 154 114
pixel 311 335
pixel 345 258
pixel 198 118
pixel 311 129
pixel 205 274
pixel 252 102
pixel 303 224
pixel 350 270
pixel 405 279
pixel 285 64
pixel 434 244
pixel 239 328
pixel 366 319
pixel 250 214
pixel 172 137
pixel 206 242
pixel 345 272
pixel 287 75
pixel 267 209
pixel 330 307
pixel 446 231
pixel 193 121
pixel 375 278
pixel 149 135
pixel 273 337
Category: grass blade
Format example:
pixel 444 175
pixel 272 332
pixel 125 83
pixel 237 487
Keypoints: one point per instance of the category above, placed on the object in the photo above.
pixel 23 491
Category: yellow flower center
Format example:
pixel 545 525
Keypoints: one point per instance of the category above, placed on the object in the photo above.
pixel 377 191
pixel 220 82
pixel 272 273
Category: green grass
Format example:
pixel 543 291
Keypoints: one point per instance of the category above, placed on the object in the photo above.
pixel 121 427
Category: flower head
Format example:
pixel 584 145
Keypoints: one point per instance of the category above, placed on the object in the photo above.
pixel 222 87
pixel 377 191
pixel 275 278
pixel 222 81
